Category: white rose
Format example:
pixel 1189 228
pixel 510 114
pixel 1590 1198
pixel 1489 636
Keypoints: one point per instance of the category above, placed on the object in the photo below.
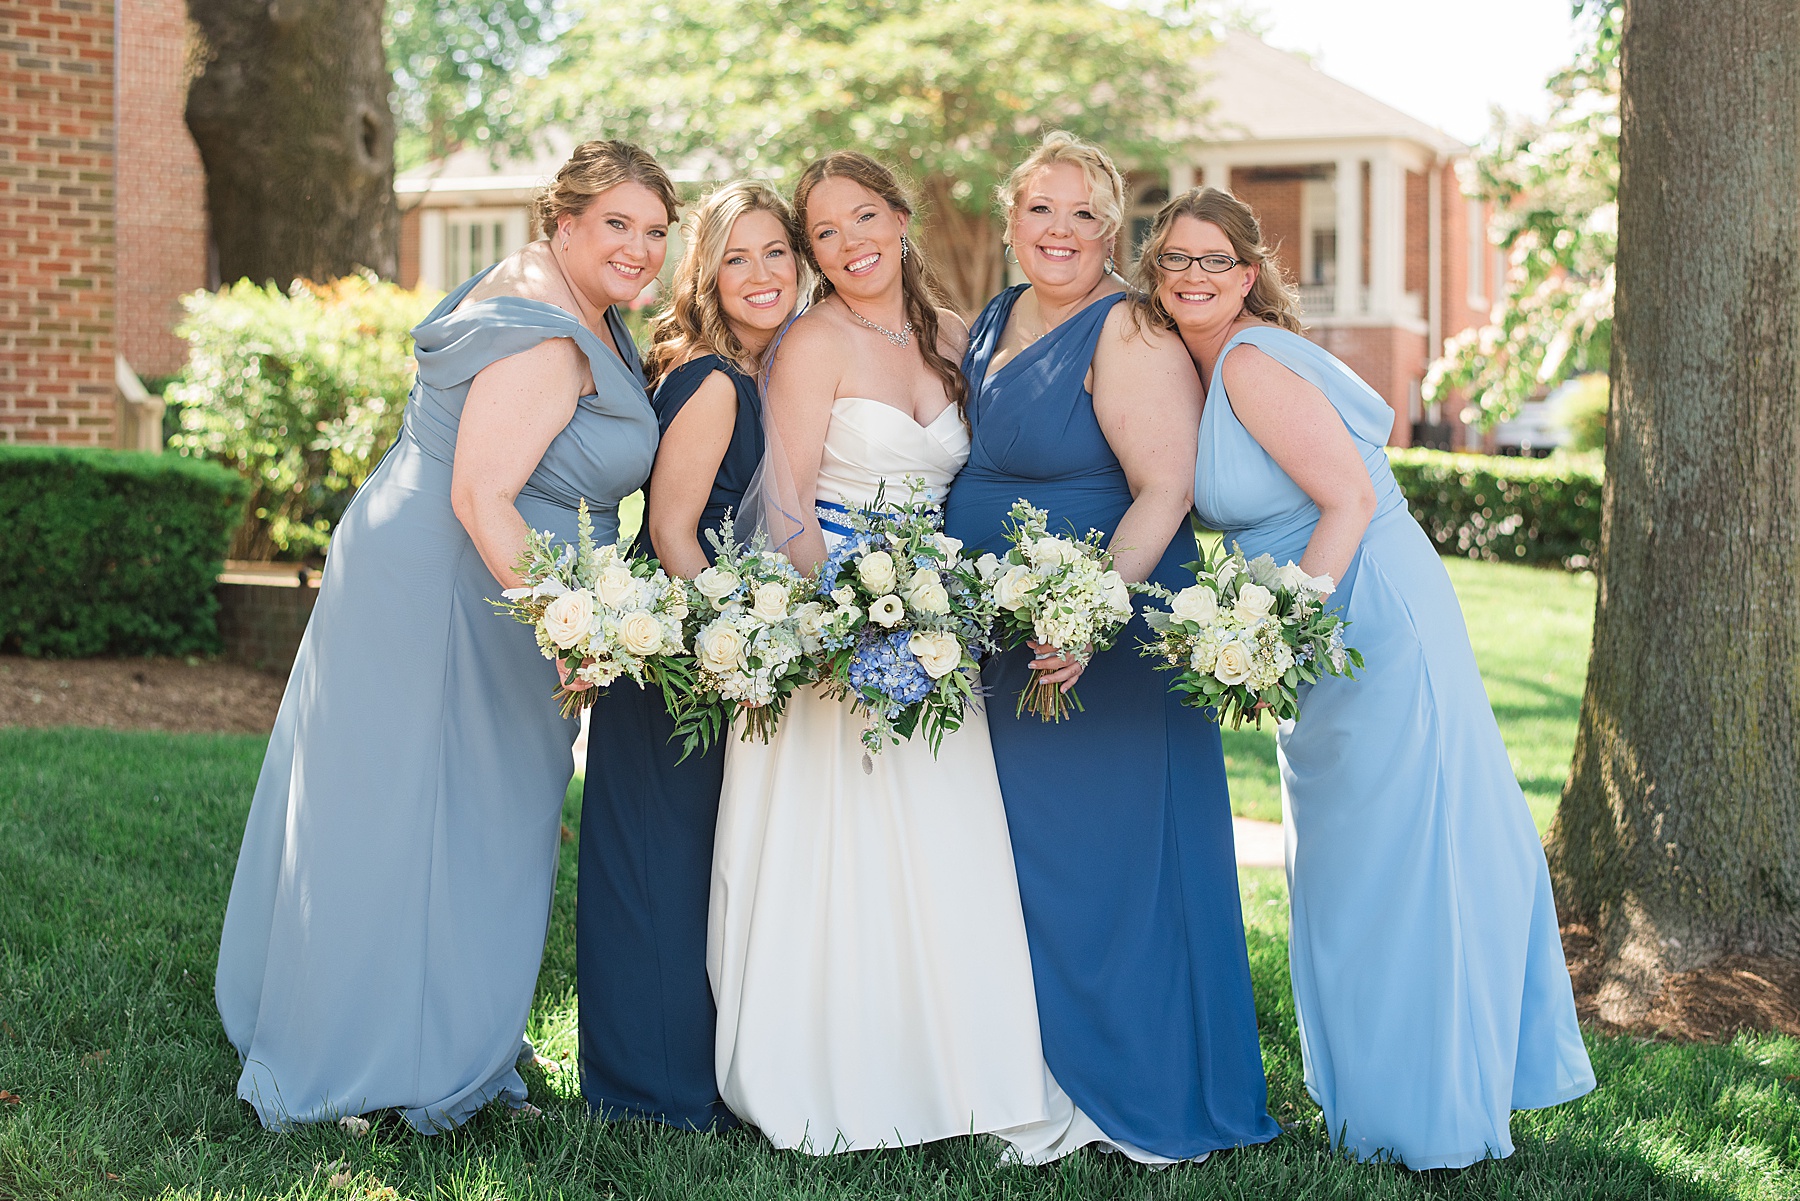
pixel 568 618
pixel 927 594
pixel 987 567
pixel 1011 589
pixel 1226 570
pixel 1234 664
pixel 616 587
pixel 845 597
pixel 715 583
pixel 1254 602
pixel 938 653
pixel 1115 592
pixel 946 545
pixel 719 647
pixel 876 571
pixel 1196 604
pixel 770 602
pixel 887 611
pixel 640 634
pixel 811 620
pixel 1051 552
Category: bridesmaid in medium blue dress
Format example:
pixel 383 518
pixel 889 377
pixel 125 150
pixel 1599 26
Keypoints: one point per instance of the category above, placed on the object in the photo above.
pixel 1427 967
pixel 647 1017
pixel 387 919
pixel 1120 821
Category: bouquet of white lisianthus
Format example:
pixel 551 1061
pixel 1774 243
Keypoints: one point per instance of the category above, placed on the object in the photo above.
pixel 1246 635
pixel 906 619
pixel 599 613
pixel 753 626
pixel 1059 591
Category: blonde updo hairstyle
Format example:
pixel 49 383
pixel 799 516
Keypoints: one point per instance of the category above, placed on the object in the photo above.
pixel 694 323
pixel 1271 298
pixel 591 170
pixel 919 287
pixel 1106 187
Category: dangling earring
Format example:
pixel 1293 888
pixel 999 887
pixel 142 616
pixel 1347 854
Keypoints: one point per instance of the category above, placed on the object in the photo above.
pixel 905 248
pixel 1008 252
pixel 1108 269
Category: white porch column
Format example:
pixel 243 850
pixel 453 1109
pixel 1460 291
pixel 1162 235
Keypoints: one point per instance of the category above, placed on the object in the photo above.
pixel 1434 267
pixel 431 249
pixel 1387 234
pixel 1181 177
pixel 1349 237
pixel 1215 172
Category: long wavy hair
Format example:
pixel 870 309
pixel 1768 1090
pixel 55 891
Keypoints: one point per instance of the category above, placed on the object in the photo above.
pixel 1271 298
pixel 694 323
pixel 919 287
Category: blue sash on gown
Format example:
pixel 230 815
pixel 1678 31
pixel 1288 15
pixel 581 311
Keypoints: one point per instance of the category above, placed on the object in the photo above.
pixel 1428 971
pixel 1120 821
pixel 647 822
pixel 387 918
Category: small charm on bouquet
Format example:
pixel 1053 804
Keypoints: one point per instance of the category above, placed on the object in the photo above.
pixel 1246 635
pixel 753 625
pixel 906 620
pixel 599 614
pixel 1057 591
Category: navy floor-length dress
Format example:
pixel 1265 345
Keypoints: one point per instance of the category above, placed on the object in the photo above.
pixel 1120 820
pixel 646 859
pixel 387 918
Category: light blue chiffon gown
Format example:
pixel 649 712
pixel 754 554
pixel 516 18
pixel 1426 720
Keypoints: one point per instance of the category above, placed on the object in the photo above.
pixel 1427 968
pixel 387 919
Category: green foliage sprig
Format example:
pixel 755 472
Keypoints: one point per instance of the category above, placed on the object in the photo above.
pixel 111 551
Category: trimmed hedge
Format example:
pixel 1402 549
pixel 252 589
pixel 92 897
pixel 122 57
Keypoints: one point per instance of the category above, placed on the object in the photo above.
pixel 105 551
pixel 1512 510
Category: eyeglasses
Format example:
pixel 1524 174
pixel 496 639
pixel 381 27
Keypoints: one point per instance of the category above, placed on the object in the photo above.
pixel 1174 262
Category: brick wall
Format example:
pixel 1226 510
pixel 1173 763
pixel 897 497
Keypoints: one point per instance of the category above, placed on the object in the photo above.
pixel 56 222
pixel 161 186
pixel 261 623
pixel 1418 238
pixel 409 246
pixel 1276 203
pixel 1389 359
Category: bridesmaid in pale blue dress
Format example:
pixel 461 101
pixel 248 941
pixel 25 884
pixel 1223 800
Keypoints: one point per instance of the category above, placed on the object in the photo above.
pixel 647 1016
pixel 1427 968
pixel 387 919
pixel 1120 818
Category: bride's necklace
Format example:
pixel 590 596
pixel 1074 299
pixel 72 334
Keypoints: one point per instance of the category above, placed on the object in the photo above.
pixel 898 339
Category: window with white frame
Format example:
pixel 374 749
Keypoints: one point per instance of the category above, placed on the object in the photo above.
pixel 475 239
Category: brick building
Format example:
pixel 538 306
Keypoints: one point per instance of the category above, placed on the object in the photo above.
pixel 99 233
pixel 1388 266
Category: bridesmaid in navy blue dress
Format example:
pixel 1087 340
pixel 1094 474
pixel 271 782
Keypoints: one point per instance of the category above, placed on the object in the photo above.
pixel 1120 821
pixel 647 822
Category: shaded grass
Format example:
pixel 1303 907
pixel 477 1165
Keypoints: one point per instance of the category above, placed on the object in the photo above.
pixel 116 851
pixel 1531 629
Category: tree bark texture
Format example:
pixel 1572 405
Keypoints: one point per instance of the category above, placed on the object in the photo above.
pixel 291 117
pixel 965 248
pixel 1679 831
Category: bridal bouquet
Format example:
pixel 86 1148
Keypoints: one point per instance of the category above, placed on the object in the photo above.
pixel 1246 635
pixel 598 613
pixel 1059 591
pixel 753 626
pixel 908 613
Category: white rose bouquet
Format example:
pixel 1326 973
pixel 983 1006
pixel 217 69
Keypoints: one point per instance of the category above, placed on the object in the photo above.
pixel 906 618
pixel 754 624
pixel 600 614
pixel 1246 635
pixel 1059 591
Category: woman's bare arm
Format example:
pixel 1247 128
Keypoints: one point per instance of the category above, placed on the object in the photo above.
pixel 802 388
pixel 687 463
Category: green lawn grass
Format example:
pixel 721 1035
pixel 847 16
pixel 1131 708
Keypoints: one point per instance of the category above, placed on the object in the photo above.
pixel 116 852
pixel 1531 629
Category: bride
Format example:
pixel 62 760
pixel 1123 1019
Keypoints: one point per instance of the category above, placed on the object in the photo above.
pixel 865 940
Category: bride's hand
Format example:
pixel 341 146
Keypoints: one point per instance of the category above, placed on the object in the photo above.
pixel 1054 667
pixel 569 685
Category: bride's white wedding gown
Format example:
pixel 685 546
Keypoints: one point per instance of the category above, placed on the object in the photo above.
pixel 865 940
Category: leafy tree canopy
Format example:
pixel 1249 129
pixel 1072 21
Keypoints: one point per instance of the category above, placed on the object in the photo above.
pixel 460 68
pixel 1554 185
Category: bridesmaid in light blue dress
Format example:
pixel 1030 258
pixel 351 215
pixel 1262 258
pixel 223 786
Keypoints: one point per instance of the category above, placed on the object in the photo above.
pixel 1427 967
pixel 387 918
pixel 1119 818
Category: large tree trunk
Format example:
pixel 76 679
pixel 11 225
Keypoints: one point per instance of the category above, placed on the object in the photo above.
pixel 291 117
pixel 1679 833
pixel 965 248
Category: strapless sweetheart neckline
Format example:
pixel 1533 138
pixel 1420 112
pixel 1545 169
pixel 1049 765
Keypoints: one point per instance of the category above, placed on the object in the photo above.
pixel 899 412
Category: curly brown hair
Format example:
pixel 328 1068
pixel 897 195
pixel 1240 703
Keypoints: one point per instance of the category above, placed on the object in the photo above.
pixel 1271 297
